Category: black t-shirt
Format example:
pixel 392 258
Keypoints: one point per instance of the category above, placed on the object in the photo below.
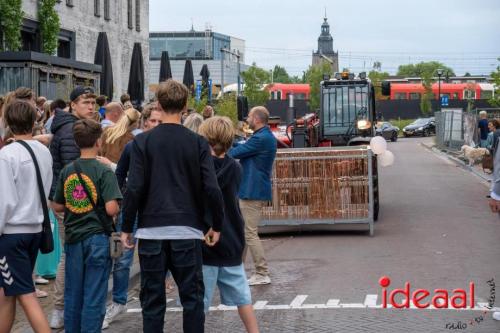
pixel 80 220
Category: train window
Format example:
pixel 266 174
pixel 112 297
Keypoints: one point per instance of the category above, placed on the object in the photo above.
pixel 486 94
pixel 414 95
pixel 455 95
pixel 400 96
pixel 469 94
pixel 300 96
pixel 278 95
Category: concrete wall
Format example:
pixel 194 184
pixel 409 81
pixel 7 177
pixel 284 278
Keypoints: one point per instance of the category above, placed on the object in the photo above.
pixel 80 19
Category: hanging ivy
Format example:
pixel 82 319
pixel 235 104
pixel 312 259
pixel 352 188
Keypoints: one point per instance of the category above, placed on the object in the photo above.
pixel 11 20
pixel 49 25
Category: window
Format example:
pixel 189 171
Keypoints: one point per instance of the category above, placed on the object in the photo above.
pixel 106 10
pixel 486 94
pixel 455 95
pixel 400 95
pixel 469 94
pixel 137 15
pixel 414 95
pixel 97 8
pixel 69 3
pixel 129 14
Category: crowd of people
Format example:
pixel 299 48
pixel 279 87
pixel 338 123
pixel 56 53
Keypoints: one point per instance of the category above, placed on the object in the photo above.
pixel 185 189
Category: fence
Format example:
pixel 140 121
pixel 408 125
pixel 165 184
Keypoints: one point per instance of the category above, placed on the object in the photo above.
pixel 321 186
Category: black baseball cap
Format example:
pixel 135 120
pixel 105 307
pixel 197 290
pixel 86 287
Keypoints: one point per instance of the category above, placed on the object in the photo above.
pixel 79 91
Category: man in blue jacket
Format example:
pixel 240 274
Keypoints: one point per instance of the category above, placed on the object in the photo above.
pixel 256 157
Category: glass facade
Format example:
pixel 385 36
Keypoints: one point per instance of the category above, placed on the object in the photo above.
pixel 184 45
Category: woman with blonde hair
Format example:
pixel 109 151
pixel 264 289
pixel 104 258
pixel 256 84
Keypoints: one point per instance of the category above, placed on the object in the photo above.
pixel 117 136
pixel 193 121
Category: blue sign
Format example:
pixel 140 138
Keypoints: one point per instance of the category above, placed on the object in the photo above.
pixel 444 100
pixel 209 89
pixel 198 90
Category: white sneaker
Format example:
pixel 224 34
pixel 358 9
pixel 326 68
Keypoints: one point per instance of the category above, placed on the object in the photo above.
pixel 57 319
pixel 112 312
pixel 496 315
pixel 258 279
pixel 41 280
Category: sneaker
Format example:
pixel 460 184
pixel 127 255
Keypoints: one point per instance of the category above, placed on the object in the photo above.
pixel 112 312
pixel 40 293
pixel 496 315
pixel 57 319
pixel 258 279
pixel 41 280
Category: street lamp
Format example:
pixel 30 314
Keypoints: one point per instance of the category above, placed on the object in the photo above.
pixel 439 73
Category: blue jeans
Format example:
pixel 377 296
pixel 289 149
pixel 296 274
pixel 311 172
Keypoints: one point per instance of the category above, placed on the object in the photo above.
pixel 121 270
pixel 88 265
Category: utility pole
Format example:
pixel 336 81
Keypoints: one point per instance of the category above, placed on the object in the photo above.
pixel 222 72
pixel 237 55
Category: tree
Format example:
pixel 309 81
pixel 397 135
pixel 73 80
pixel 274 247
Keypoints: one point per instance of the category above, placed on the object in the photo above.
pixel 377 66
pixel 280 75
pixel 11 20
pixel 255 78
pixel 49 25
pixel 423 68
pixel 314 76
pixel 226 106
pixel 425 101
pixel 495 100
pixel 376 78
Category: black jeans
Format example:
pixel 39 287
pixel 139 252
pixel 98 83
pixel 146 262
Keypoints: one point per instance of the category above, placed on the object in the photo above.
pixel 184 260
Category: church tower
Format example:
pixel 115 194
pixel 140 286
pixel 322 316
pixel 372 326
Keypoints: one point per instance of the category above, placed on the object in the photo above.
pixel 325 48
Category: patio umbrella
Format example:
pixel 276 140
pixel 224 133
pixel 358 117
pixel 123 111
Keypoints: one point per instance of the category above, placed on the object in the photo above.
pixel 188 78
pixel 165 70
pixel 205 75
pixel 136 76
pixel 103 57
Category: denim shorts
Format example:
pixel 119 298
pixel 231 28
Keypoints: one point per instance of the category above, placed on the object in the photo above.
pixel 232 283
pixel 18 254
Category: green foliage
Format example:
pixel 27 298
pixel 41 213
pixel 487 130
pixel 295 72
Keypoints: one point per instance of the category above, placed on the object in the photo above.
pixel 425 101
pixel 401 123
pixel 423 68
pixel 314 76
pixel 495 100
pixel 255 78
pixel 49 25
pixel 198 106
pixel 226 106
pixel 11 19
pixel 376 78
pixel 280 75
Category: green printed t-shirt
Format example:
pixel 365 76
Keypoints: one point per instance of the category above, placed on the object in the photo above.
pixel 80 220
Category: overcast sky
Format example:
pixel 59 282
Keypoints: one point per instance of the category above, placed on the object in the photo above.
pixel 463 34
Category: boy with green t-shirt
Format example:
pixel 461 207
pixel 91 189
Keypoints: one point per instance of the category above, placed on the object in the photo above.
pixel 87 230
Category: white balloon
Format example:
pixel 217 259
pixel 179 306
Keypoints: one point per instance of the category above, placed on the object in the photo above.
pixel 378 145
pixel 386 159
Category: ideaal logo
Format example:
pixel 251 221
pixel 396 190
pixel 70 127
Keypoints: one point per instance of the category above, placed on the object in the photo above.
pixel 440 299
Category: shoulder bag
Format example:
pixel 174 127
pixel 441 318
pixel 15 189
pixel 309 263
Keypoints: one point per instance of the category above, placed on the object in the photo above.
pixel 47 241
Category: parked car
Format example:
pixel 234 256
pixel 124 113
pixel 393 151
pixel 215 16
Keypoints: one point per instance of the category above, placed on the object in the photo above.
pixel 388 131
pixel 421 126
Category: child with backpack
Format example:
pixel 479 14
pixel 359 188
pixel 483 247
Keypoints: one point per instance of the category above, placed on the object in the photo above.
pixel 222 263
pixel 87 192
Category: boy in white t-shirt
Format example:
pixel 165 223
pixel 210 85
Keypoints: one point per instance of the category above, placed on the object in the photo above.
pixel 21 217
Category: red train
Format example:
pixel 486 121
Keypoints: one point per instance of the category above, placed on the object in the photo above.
pixel 281 91
pixel 453 90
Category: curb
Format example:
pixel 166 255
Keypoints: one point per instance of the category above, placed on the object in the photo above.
pixel 457 161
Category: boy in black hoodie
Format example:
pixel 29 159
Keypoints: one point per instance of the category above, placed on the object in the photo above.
pixel 222 263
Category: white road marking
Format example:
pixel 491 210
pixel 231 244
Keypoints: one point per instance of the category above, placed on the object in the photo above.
pixel 370 302
pixel 297 301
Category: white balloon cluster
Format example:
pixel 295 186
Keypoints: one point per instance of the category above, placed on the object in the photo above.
pixel 379 146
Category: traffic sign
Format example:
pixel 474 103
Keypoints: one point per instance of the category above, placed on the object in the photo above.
pixel 444 100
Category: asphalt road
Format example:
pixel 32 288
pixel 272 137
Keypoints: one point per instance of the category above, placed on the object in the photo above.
pixel 434 231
